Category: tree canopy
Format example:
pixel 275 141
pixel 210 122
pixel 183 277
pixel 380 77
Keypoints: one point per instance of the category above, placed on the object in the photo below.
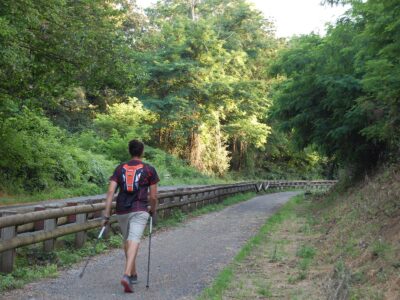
pixel 205 81
pixel 341 92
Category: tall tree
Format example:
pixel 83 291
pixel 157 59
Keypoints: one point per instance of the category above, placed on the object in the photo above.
pixel 64 56
pixel 215 63
pixel 340 92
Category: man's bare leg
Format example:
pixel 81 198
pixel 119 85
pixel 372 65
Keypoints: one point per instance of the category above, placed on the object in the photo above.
pixel 133 271
pixel 131 249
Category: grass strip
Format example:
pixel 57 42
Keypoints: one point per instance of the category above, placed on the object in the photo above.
pixel 177 216
pixel 32 263
pixel 225 277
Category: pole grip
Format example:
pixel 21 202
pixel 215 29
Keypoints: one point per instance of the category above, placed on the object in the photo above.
pixel 101 232
pixel 151 224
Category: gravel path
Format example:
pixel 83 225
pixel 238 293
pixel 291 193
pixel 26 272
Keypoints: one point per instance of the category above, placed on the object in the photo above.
pixel 185 259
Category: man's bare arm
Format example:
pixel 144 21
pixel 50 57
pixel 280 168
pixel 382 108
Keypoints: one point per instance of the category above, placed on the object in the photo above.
pixel 110 195
pixel 153 198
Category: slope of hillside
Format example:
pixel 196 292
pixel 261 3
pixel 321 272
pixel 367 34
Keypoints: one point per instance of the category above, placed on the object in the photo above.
pixel 336 245
pixel 360 237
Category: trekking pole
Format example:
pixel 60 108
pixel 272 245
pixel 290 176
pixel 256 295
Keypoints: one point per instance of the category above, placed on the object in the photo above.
pixel 94 251
pixel 148 258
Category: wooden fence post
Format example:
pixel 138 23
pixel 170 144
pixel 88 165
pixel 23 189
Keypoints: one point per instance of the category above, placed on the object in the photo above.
pixel 7 258
pixel 80 237
pixel 217 197
pixel 202 197
pixel 184 199
pixel 71 218
pixel 192 202
pixel 160 210
pixel 38 225
pixel 49 225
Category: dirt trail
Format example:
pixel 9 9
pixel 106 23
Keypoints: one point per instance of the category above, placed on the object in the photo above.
pixel 185 259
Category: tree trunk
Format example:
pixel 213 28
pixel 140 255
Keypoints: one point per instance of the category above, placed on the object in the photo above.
pixel 195 149
pixel 193 4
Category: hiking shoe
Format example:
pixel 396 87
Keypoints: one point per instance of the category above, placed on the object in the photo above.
pixel 133 279
pixel 126 283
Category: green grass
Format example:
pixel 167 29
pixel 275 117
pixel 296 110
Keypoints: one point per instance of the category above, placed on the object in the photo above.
pixel 306 252
pixel 263 288
pixel 92 189
pixel 171 170
pixel 226 202
pixel 32 263
pixel 265 292
pixel 179 178
pixel 58 193
pixel 225 277
pixel 23 275
pixel 381 249
pixel 276 254
pixel 177 216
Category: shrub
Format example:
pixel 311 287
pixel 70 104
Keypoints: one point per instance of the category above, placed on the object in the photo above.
pixel 38 156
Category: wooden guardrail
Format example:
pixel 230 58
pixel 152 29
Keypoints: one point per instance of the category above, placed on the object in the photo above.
pixel 48 223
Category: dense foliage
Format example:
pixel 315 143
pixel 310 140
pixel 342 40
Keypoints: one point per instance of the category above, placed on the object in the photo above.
pixel 79 79
pixel 341 92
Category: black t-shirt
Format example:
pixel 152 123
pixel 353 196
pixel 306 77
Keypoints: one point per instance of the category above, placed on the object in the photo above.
pixel 134 201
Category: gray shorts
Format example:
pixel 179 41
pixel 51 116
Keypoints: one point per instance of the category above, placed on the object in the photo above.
pixel 132 225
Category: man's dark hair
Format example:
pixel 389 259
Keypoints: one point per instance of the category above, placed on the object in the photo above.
pixel 136 148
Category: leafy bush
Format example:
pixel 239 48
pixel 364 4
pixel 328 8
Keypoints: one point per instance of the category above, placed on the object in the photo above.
pixel 38 156
pixel 171 169
pixel 112 130
pixel 126 119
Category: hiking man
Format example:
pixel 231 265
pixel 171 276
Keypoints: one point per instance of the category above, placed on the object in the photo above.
pixel 136 200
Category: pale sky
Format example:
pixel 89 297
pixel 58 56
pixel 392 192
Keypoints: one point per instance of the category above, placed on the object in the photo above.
pixel 292 16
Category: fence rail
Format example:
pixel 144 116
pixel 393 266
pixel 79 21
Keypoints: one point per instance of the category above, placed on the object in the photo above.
pixel 45 224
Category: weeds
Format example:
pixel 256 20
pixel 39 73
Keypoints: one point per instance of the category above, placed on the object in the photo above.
pixel 177 216
pixel 265 291
pixel 366 293
pixel 381 249
pixel 224 278
pixel 32 263
pixel 275 257
pixel 358 277
pixel 306 252
pixel 355 226
pixel 277 252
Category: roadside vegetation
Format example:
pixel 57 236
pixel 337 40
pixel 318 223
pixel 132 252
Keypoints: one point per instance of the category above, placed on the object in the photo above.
pixel 342 244
pixel 191 83
pixel 247 276
pixel 360 232
pixel 171 170
pixel 33 264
